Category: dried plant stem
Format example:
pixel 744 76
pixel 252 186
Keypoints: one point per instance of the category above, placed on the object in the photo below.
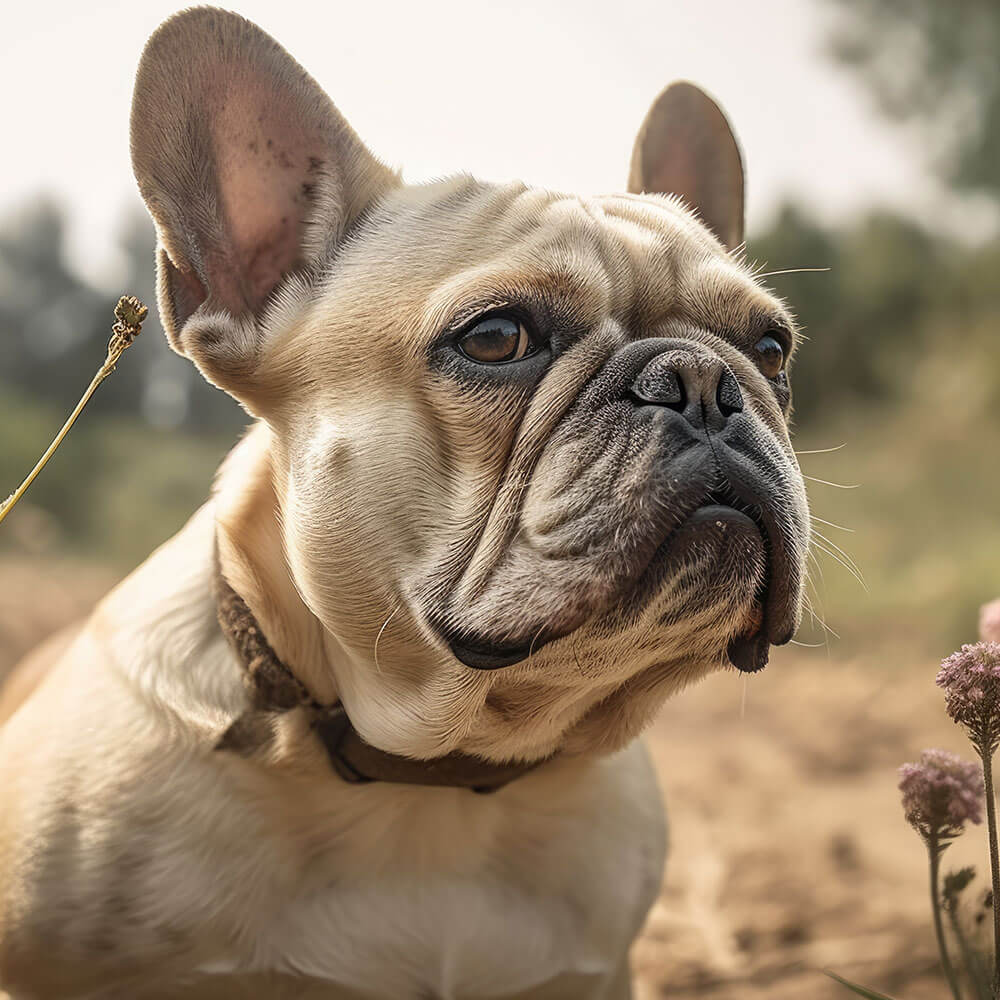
pixel 129 316
pixel 979 977
pixel 934 851
pixel 991 826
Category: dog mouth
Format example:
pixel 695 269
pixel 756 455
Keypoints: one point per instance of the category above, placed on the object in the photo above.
pixel 747 651
pixel 721 510
pixel 482 655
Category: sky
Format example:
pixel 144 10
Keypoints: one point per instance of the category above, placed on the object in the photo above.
pixel 548 92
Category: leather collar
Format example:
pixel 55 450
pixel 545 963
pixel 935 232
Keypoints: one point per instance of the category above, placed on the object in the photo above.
pixel 274 690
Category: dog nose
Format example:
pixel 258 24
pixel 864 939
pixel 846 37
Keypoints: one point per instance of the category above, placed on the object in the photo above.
pixel 703 390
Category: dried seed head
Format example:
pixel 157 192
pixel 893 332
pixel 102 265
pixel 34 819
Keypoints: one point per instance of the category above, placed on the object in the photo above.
pixel 129 316
pixel 131 312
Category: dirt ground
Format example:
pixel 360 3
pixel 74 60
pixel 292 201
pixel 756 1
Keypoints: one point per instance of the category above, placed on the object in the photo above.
pixel 789 853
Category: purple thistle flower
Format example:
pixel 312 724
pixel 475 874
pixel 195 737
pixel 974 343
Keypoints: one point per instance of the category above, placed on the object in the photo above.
pixel 989 622
pixel 971 682
pixel 941 793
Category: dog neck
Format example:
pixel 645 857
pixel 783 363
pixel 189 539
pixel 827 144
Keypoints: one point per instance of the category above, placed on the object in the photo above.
pixel 274 690
pixel 260 611
pixel 251 557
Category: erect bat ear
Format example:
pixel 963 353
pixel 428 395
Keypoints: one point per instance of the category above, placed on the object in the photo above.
pixel 686 147
pixel 250 174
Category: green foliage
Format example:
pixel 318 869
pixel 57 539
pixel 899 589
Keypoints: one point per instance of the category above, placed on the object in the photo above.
pixel 892 290
pixel 861 991
pixel 54 329
pixel 115 489
pixel 934 64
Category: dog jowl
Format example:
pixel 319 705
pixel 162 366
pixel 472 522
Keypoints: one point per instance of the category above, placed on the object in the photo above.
pixel 520 470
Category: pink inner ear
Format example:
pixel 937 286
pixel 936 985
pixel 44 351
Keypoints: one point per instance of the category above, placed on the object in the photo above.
pixel 268 166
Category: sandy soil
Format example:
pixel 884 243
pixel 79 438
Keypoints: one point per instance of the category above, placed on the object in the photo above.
pixel 790 854
pixel 789 851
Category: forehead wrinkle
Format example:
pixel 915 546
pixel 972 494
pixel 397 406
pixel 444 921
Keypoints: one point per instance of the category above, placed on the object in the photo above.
pixel 667 215
pixel 650 258
pixel 617 256
pixel 711 287
pixel 561 266
pixel 727 300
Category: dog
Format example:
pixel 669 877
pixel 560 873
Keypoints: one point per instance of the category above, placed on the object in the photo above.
pixel 520 470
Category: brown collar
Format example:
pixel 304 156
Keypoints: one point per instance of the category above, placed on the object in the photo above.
pixel 274 689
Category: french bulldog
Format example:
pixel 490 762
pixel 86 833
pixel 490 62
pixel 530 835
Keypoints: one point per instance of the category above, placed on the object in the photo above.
pixel 520 470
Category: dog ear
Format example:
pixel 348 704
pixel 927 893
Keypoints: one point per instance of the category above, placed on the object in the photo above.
pixel 250 173
pixel 686 147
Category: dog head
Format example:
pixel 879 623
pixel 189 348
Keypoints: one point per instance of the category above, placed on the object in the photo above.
pixel 530 450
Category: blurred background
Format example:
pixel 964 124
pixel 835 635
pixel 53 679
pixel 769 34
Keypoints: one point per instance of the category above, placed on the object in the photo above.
pixel 871 134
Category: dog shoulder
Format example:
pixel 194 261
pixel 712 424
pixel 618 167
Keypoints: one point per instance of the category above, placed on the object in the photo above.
pixel 28 674
pixel 108 783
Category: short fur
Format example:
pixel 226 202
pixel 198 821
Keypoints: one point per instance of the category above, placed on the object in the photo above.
pixel 393 501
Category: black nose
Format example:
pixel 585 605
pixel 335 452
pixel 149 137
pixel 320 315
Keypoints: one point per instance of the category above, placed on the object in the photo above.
pixel 704 390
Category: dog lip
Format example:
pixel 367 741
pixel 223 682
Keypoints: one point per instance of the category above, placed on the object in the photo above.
pixel 721 512
pixel 747 652
pixel 777 595
pixel 483 655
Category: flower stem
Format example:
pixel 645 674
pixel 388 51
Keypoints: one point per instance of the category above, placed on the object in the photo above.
pixel 991 825
pixel 129 316
pixel 979 976
pixel 934 850
pixel 8 505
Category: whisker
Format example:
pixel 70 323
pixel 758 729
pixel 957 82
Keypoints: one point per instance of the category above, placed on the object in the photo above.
pixel 837 549
pixel 531 645
pixel 826 482
pixel 822 625
pixel 385 624
pixel 850 569
pixel 831 524
pixel 793 270
pixel 822 451
pixel 808 645
pixel 817 619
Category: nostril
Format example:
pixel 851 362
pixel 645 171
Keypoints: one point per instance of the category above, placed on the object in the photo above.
pixel 728 394
pixel 660 387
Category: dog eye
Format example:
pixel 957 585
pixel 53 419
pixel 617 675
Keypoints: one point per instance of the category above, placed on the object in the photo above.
pixel 497 340
pixel 770 356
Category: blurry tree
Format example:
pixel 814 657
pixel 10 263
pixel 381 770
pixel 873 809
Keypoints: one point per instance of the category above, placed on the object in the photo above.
pixel 934 63
pixel 46 312
pixel 891 289
pixel 54 328
pixel 127 476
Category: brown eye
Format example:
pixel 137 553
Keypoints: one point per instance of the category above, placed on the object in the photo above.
pixel 496 340
pixel 770 356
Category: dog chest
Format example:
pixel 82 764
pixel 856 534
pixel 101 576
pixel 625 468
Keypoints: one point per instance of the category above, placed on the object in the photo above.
pixel 491 899
pixel 449 941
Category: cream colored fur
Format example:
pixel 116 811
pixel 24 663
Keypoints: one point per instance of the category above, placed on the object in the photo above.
pixel 378 498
